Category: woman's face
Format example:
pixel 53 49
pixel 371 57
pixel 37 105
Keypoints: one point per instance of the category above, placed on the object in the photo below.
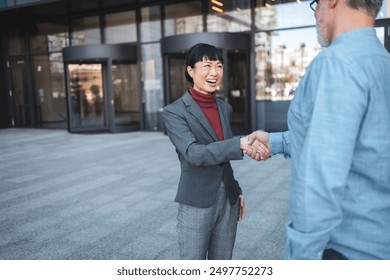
pixel 207 75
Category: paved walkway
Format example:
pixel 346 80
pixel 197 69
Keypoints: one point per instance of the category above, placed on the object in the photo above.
pixel 110 196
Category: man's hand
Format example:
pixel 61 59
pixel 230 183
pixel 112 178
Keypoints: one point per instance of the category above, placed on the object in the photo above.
pixel 256 145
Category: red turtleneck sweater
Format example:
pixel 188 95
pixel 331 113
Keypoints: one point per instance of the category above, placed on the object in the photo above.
pixel 210 109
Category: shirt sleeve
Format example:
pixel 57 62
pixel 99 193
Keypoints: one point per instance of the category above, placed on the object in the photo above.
pixel 280 143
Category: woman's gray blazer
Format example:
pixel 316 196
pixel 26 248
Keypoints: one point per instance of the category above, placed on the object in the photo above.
pixel 204 161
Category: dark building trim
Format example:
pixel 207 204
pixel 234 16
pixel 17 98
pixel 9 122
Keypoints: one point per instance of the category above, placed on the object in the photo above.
pixel 100 52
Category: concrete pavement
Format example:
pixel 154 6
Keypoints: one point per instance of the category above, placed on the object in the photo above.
pixel 110 196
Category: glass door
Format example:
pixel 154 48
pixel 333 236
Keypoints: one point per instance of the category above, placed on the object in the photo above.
pixel 177 81
pixel 238 91
pixel 21 115
pixel 86 97
pixel 126 97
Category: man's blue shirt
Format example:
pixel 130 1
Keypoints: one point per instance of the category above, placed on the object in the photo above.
pixel 339 143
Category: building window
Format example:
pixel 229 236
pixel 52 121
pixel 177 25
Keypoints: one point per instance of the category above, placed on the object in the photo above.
pixel 150 24
pixel 16 43
pixel 281 59
pixel 152 75
pixel 269 15
pixel 183 18
pixel 380 32
pixel 126 94
pixel 85 31
pixel 282 54
pixel 50 96
pixel 49 37
pixel 121 28
pixel 229 16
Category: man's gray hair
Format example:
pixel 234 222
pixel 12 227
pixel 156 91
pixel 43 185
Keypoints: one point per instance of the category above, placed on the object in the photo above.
pixel 371 6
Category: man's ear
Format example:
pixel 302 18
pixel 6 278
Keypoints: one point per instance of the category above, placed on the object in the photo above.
pixel 332 3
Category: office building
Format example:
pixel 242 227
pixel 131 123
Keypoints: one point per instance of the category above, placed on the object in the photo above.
pixel 112 65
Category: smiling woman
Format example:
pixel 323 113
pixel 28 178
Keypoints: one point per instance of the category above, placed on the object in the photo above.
pixel 198 125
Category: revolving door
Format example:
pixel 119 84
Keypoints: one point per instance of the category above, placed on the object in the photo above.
pixel 102 88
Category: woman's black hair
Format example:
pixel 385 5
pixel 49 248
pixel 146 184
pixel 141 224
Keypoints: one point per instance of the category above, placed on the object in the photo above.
pixel 197 53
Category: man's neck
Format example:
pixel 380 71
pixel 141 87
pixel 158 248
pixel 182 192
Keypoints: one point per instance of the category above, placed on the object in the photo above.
pixel 348 19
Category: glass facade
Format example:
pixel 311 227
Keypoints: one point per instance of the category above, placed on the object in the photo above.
pixel 269 17
pixel 22 100
pixel 283 53
pixel 284 42
pixel 85 31
pixel 183 18
pixel 229 16
pixel 126 98
pixel 151 76
pixel 49 37
pixel 49 90
pixel 121 28
pixel 16 43
pixel 46 42
pixel 150 26
pixel 281 59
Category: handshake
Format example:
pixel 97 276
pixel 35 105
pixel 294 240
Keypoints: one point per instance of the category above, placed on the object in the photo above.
pixel 256 145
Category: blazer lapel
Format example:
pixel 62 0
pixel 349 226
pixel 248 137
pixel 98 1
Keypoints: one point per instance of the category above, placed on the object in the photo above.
pixel 195 110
